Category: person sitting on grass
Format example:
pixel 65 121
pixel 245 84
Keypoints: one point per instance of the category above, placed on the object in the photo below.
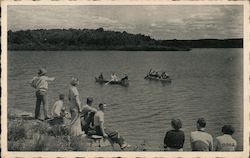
pixel 226 142
pixel 174 139
pixel 113 135
pixel 58 109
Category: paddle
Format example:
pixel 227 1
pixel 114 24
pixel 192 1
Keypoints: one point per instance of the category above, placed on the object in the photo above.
pixel 149 71
pixel 107 82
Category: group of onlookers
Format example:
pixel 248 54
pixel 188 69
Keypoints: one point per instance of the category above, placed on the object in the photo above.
pixel 86 118
pixel 200 140
pixel 82 117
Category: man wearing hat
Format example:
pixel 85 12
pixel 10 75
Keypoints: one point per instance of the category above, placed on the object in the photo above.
pixel 40 83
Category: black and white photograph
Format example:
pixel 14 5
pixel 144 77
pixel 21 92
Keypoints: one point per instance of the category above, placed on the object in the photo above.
pixel 125 78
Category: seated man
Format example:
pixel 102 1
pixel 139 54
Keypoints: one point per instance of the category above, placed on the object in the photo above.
pixel 58 109
pixel 201 140
pixel 101 130
pixel 88 113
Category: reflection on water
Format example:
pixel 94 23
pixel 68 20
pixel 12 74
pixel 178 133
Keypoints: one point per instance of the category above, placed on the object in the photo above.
pixel 205 84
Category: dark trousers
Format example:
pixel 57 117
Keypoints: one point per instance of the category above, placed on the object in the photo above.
pixel 88 120
pixel 112 134
pixel 41 97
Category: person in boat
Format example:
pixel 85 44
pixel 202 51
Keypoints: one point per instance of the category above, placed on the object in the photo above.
pixel 106 132
pixel 114 77
pixel 164 75
pixel 88 113
pixel 58 109
pixel 157 75
pixel 40 83
pixel 201 140
pixel 174 139
pixel 226 142
pixel 100 76
pixel 151 74
pixel 75 108
pixel 125 78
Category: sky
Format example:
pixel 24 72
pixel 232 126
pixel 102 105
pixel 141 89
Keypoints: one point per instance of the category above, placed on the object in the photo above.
pixel 157 21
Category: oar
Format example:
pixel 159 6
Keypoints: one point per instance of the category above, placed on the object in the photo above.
pixel 107 82
pixel 150 71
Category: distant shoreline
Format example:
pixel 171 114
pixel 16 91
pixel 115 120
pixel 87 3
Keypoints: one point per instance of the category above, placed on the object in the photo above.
pixel 99 39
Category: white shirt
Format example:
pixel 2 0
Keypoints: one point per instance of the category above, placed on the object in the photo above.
pixel 114 78
pixel 57 108
pixel 40 82
pixel 98 118
pixel 225 143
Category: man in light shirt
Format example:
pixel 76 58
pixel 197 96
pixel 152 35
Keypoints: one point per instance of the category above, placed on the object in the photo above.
pixel 105 132
pixel 40 83
pixel 58 109
pixel 201 140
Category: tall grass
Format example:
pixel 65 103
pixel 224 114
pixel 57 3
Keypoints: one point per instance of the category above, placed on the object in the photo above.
pixel 34 135
pixel 31 135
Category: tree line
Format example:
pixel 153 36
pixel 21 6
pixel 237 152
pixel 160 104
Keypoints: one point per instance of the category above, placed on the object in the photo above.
pixel 100 39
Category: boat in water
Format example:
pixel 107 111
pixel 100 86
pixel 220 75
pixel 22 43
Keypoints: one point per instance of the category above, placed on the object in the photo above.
pixel 120 82
pixel 167 80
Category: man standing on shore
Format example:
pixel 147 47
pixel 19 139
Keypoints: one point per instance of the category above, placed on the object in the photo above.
pixel 40 83
pixel 201 140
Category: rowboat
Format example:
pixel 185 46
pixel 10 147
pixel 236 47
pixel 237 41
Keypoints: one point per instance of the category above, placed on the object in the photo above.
pixel 103 81
pixel 158 79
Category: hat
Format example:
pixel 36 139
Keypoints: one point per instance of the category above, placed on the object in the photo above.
pixel 42 71
pixel 74 81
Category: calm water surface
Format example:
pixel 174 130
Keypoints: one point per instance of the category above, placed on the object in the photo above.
pixel 206 83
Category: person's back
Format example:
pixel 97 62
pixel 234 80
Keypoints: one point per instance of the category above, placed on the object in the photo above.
pixel 201 140
pixel 41 85
pixel 174 139
pixel 226 142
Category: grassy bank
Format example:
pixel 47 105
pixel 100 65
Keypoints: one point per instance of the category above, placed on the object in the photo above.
pixel 28 134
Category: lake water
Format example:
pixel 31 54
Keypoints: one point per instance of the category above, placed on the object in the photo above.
pixel 206 83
